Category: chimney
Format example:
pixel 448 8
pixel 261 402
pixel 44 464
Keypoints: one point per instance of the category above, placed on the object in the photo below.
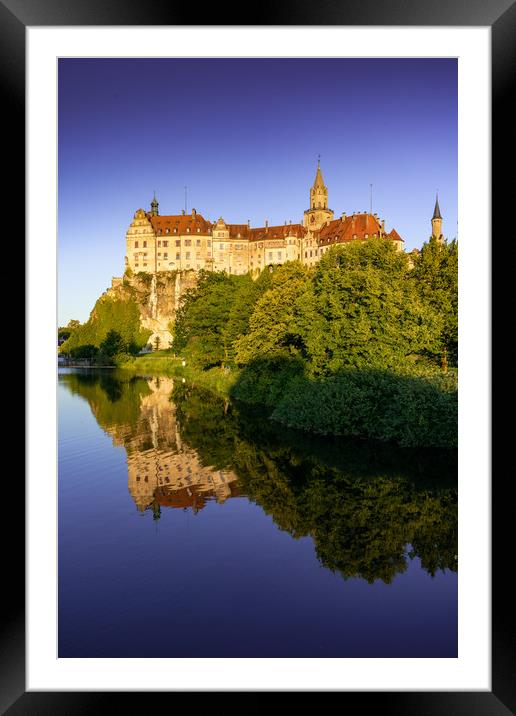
pixel 183 212
pixel 383 224
pixel 194 213
pixel 266 225
pixel 343 216
pixel 248 223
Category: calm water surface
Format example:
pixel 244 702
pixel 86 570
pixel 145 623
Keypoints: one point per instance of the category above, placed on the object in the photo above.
pixel 190 528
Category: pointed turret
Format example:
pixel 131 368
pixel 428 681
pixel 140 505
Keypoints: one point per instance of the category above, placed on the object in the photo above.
pixel 437 211
pixel 437 222
pixel 318 183
pixel 154 206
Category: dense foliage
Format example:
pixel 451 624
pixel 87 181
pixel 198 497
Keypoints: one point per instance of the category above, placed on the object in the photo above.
pixel 352 346
pixel 112 329
pixel 435 276
pixel 213 315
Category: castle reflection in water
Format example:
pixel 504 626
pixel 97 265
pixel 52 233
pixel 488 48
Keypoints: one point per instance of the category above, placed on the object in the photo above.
pixel 162 471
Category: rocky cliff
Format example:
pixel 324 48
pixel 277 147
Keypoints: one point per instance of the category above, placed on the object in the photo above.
pixel 157 296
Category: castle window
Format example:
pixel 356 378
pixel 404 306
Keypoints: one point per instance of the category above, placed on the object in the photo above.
pixel 279 255
pixel 159 243
pixel 188 242
pixel 144 244
pixel 306 254
pixel 159 255
pixel 198 242
pixel 208 243
pixel 165 256
pixel 178 256
pixel 165 244
pixel 187 255
pixel 178 242
pixel 135 244
pixel 221 246
pixel 270 255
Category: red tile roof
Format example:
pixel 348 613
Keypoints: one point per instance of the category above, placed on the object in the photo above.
pixel 394 236
pixel 353 226
pixel 181 222
pixel 264 233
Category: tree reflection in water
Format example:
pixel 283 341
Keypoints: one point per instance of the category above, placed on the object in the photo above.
pixel 368 507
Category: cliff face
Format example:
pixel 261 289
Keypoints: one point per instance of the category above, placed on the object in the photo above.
pixel 157 297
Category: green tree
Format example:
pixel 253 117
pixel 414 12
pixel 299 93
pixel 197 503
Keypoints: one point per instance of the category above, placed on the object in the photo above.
pixel 244 301
pixel 86 352
pixel 272 330
pixel 112 344
pixel 202 317
pixel 110 313
pixel 362 310
pixel 435 274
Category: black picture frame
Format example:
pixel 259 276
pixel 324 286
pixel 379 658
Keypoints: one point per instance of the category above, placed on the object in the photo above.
pixel 500 15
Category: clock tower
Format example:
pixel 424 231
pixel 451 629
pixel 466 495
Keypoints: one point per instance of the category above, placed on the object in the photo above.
pixel 318 213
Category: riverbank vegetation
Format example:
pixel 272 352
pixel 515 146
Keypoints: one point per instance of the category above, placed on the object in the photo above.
pixel 362 344
pixel 110 335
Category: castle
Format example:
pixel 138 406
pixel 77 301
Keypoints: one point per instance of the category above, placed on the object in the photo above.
pixel 185 242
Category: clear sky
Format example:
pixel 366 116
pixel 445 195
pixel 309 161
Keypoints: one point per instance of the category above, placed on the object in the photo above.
pixel 244 136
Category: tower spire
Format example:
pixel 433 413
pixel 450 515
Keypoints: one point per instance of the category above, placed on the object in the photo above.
pixel 154 205
pixel 437 221
pixel 437 212
pixel 319 182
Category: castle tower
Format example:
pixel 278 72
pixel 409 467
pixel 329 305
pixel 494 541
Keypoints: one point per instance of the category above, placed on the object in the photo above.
pixel 154 206
pixel 318 213
pixel 437 222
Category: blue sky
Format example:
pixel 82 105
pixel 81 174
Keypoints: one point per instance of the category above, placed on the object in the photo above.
pixel 244 136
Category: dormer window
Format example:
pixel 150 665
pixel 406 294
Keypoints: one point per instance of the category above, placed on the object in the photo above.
pixel 188 230
pixel 167 231
pixel 198 231
pixel 175 231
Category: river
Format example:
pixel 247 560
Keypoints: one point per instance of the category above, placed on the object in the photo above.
pixel 192 527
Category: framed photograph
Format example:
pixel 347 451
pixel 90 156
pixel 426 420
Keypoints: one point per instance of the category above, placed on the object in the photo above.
pixel 247 472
